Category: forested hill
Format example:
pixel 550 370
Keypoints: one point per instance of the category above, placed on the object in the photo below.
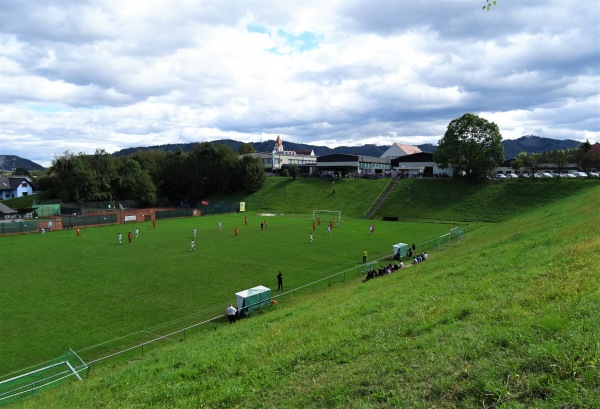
pixel 11 162
pixel 512 147
pixel 535 144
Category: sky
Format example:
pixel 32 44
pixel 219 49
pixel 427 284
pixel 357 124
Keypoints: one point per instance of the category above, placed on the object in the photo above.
pixel 82 75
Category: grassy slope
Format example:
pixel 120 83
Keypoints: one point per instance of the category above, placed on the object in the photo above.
pixel 439 199
pixel 507 318
pixel 461 200
pixel 286 195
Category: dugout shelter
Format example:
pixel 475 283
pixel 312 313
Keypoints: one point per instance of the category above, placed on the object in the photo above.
pixel 400 250
pixel 253 298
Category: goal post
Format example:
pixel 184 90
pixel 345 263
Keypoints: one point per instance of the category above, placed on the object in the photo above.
pixel 333 214
pixel 67 365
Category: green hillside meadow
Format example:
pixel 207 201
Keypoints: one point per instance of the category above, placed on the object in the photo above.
pixel 507 318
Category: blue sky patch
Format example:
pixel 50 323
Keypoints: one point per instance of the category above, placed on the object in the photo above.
pixel 255 28
pixel 305 41
pixel 48 108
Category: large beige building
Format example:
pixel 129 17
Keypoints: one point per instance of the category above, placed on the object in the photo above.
pixel 278 159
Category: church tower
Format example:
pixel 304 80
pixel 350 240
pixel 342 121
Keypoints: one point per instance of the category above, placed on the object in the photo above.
pixel 278 145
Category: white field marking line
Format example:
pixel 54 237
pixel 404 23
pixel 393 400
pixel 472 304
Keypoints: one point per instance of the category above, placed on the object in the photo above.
pixel 131 334
pixel 130 256
pixel 164 324
pixel 186 317
pixel 111 340
pixel 156 334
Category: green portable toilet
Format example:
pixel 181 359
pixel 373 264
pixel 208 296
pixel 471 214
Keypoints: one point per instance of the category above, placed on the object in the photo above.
pixel 253 298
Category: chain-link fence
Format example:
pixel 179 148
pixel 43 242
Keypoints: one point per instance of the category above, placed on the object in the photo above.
pixel 18 226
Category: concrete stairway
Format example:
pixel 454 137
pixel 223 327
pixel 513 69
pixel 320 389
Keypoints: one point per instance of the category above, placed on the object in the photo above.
pixel 372 210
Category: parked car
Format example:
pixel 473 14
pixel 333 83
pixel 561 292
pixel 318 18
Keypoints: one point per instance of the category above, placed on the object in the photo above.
pixel 500 176
pixel 547 175
pixel 580 174
pixel 512 176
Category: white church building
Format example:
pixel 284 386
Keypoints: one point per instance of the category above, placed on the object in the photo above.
pixel 279 159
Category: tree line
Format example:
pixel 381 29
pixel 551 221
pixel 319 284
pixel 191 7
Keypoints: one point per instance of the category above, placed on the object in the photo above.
pixel 472 147
pixel 585 158
pixel 153 176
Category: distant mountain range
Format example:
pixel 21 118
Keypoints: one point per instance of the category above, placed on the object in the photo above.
pixel 512 147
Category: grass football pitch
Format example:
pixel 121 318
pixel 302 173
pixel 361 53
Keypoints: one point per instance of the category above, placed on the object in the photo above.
pixel 96 296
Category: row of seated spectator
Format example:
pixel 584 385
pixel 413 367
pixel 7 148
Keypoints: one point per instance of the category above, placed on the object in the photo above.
pixel 16 216
pixel 420 257
pixel 389 269
pixel 365 175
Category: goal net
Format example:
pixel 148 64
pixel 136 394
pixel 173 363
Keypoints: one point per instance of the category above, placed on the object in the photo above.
pixel 326 216
pixel 457 234
pixel 67 365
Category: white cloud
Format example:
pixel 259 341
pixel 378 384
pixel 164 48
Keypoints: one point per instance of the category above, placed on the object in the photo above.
pixel 82 75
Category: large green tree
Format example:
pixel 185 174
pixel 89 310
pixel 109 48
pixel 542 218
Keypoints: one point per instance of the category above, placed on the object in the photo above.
pixel 211 168
pixel 172 176
pixel 252 173
pixel 246 148
pixel 77 178
pixel 472 146
pixel 134 183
